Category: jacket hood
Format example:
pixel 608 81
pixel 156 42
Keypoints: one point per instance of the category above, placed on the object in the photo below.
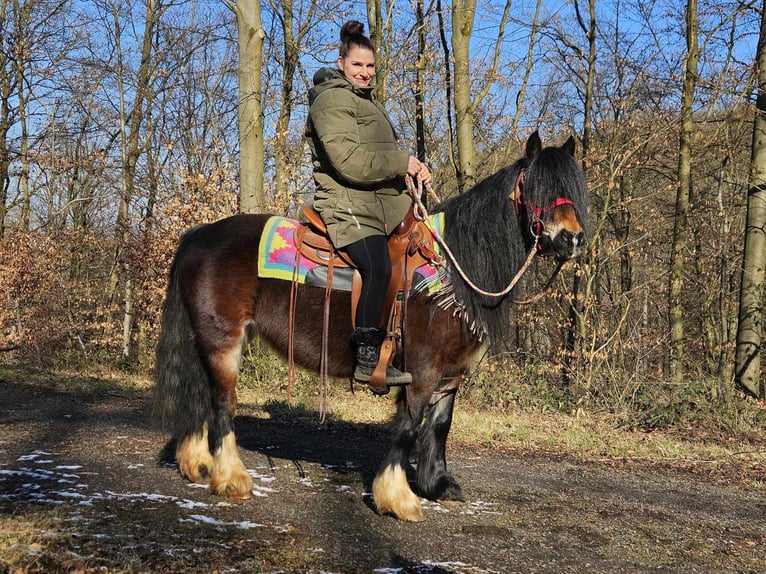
pixel 329 78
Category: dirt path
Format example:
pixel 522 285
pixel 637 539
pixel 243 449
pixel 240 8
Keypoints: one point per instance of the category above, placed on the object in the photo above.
pixel 84 487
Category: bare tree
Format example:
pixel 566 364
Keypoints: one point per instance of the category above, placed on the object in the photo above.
pixel 447 82
pixel 575 325
pixel 251 149
pixel 132 145
pixel 7 113
pixel 463 15
pixel 750 327
pixel 678 246
pixel 28 26
pixel 292 38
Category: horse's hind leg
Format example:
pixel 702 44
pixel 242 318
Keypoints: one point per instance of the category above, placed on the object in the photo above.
pixel 193 455
pixel 433 479
pixel 228 477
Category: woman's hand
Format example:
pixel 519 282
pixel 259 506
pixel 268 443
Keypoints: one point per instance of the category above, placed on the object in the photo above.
pixel 417 169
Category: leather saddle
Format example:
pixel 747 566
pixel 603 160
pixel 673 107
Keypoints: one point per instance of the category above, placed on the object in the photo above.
pixel 410 246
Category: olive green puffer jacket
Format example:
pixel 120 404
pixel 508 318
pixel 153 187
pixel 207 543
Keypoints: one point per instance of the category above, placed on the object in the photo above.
pixel 358 167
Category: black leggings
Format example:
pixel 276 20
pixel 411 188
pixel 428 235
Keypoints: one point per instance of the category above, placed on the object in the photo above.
pixel 371 258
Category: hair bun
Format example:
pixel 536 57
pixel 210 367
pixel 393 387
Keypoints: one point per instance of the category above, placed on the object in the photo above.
pixel 351 28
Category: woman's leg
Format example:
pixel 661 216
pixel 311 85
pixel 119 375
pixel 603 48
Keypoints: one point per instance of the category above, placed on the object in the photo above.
pixel 371 258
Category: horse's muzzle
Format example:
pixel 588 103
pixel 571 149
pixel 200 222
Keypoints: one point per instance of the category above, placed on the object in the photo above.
pixel 564 245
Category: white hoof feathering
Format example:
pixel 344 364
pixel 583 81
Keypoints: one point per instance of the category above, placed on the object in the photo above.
pixel 394 496
pixel 230 477
pixel 194 459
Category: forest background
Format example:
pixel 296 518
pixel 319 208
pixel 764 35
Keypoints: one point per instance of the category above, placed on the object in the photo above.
pixel 124 122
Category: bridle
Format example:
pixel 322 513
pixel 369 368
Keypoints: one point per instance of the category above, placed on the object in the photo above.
pixel 533 212
pixel 537 227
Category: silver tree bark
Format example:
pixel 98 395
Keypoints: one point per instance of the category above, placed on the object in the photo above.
pixel 750 326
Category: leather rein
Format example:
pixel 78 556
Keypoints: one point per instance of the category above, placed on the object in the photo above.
pixel 522 205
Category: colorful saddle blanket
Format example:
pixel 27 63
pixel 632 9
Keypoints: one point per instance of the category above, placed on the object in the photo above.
pixel 277 256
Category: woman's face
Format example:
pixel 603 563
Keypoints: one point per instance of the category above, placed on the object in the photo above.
pixel 358 65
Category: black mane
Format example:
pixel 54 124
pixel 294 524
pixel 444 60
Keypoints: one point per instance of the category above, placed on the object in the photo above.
pixel 483 232
pixel 486 236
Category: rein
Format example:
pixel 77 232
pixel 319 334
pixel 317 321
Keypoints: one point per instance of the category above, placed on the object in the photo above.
pixel 421 214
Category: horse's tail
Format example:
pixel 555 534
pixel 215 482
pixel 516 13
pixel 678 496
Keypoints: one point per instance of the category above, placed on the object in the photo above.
pixel 182 392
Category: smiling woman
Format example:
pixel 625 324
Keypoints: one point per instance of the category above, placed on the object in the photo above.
pixel 359 172
pixel 358 65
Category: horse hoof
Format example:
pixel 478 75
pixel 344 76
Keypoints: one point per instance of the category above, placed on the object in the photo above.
pixel 241 495
pixel 451 492
pixel 236 489
pixel 194 459
pixel 196 471
pixel 394 497
pixel 410 514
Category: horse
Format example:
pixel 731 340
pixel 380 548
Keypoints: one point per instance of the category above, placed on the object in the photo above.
pixel 216 303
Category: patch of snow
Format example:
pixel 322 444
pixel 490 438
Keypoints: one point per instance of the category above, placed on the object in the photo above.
pixel 201 518
pixel 33 455
pixel 189 504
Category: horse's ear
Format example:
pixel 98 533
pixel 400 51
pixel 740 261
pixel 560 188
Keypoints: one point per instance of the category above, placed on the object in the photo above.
pixel 534 145
pixel 569 146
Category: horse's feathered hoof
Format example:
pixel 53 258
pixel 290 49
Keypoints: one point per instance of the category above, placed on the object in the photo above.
pixel 198 473
pixel 394 497
pixel 239 487
pixel 230 477
pixel 194 459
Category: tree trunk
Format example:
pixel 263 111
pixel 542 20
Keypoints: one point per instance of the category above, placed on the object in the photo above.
pixel 375 25
pixel 131 150
pixel 514 128
pixel 22 24
pixel 420 128
pixel 750 326
pixel 251 151
pixel 463 14
pixel 575 324
pixel 675 306
pixel 452 156
pixel 291 56
pixel 5 126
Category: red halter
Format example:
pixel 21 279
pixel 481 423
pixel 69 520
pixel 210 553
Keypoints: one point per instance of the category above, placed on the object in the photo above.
pixel 536 226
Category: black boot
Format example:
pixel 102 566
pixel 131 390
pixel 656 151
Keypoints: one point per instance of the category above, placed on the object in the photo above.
pixel 368 341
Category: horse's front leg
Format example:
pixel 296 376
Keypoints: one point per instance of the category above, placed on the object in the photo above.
pixel 390 488
pixel 433 480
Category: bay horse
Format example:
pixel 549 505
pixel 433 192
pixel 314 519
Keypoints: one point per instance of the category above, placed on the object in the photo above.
pixel 216 303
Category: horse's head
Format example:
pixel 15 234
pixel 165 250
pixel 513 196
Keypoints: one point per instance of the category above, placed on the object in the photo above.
pixel 550 194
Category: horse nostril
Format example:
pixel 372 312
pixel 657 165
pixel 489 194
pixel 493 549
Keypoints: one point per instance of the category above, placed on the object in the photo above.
pixel 578 240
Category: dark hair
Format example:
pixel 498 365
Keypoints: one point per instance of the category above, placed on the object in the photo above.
pixel 352 34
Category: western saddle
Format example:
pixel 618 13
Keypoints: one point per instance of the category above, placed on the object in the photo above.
pixel 410 246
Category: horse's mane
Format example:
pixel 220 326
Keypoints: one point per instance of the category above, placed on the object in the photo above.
pixel 554 173
pixel 483 232
pixel 482 229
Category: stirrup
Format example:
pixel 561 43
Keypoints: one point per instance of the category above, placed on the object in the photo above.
pixel 379 380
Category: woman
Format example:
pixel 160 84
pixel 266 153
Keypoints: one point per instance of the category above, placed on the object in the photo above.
pixel 360 190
